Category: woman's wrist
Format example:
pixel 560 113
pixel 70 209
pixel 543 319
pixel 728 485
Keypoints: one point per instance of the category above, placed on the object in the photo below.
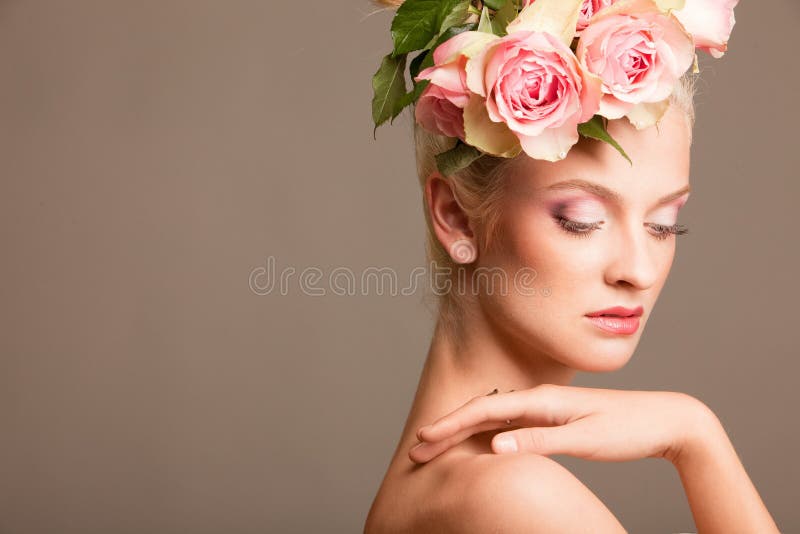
pixel 701 433
pixel 712 472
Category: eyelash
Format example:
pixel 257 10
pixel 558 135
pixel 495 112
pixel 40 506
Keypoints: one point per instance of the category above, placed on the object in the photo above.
pixel 581 230
pixel 665 230
pixel 577 229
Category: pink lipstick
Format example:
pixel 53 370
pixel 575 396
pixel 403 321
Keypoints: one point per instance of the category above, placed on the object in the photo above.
pixel 617 320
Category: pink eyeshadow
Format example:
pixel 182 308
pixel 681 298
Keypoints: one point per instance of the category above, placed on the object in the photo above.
pixel 581 209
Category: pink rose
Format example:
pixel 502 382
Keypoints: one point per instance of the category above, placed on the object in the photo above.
pixel 588 9
pixel 710 22
pixel 639 52
pixel 437 113
pixel 535 85
pixel 439 108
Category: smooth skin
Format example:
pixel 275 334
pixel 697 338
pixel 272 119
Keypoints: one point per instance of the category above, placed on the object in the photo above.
pixel 612 426
pixel 459 479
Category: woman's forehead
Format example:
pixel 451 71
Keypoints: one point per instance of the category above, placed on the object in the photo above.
pixel 660 156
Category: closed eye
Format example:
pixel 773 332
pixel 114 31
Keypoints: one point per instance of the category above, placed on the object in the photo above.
pixel 578 229
pixel 663 231
pixel 581 229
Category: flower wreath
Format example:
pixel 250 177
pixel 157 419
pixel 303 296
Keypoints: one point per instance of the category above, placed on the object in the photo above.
pixel 505 76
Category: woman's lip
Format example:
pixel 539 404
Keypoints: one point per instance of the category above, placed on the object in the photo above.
pixel 616 325
pixel 620 311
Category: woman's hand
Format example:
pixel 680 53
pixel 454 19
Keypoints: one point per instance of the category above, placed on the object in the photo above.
pixel 595 424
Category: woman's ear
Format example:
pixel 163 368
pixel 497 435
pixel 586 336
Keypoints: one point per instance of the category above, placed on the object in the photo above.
pixel 449 221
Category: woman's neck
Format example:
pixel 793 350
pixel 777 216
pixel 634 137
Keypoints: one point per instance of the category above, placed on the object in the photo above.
pixel 482 359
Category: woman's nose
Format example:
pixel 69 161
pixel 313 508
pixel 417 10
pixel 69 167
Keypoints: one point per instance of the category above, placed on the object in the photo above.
pixel 634 258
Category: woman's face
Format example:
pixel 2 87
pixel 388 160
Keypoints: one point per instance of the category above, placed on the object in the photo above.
pixel 595 231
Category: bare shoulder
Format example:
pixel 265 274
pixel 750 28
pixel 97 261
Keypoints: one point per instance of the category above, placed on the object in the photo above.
pixel 520 493
pixel 464 492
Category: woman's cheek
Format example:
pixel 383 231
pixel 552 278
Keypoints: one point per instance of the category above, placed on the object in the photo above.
pixel 537 241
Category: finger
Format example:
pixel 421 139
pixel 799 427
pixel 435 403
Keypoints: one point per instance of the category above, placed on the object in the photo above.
pixel 542 405
pixel 493 392
pixel 427 451
pixel 573 439
pixel 479 410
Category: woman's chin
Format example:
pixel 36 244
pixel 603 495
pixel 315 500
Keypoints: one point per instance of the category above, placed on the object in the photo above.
pixel 602 354
pixel 604 361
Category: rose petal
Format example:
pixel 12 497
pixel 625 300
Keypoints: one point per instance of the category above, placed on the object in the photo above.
pixel 647 114
pixel 476 67
pixel 450 78
pixel 639 52
pixel 465 43
pixel 613 108
pixel 627 7
pixel 590 96
pixel 486 135
pixel 710 22
pixel 552 144
pixel 666 5
pixel 438 114
pixel 556 17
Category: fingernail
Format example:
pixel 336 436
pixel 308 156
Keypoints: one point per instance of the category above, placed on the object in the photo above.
pixel 505 444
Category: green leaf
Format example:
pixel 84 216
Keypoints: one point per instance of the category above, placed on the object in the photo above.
pixel 496 28
pixel 427 62
pixel 416 65
pixel 496 4
pixel 485 24
pixel 414 25
pixel 456 16
pixel 595 128
pixel 457 158
pixel 503 17
pixel 410 97
pixel 452 31
pixel 417 22
pixel 389 85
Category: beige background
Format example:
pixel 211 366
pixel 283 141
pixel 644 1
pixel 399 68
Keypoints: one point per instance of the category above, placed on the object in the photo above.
pixel 154 153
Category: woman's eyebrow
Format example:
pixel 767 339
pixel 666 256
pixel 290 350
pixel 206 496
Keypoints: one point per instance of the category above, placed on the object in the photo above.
pixel 610 194
pixel 672 196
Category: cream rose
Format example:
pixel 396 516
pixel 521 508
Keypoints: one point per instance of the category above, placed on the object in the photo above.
pixel 588 9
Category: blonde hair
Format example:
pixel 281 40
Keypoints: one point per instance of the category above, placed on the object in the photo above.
pixel 478 189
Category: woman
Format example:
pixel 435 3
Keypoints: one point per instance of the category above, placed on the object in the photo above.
pixel 561 243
